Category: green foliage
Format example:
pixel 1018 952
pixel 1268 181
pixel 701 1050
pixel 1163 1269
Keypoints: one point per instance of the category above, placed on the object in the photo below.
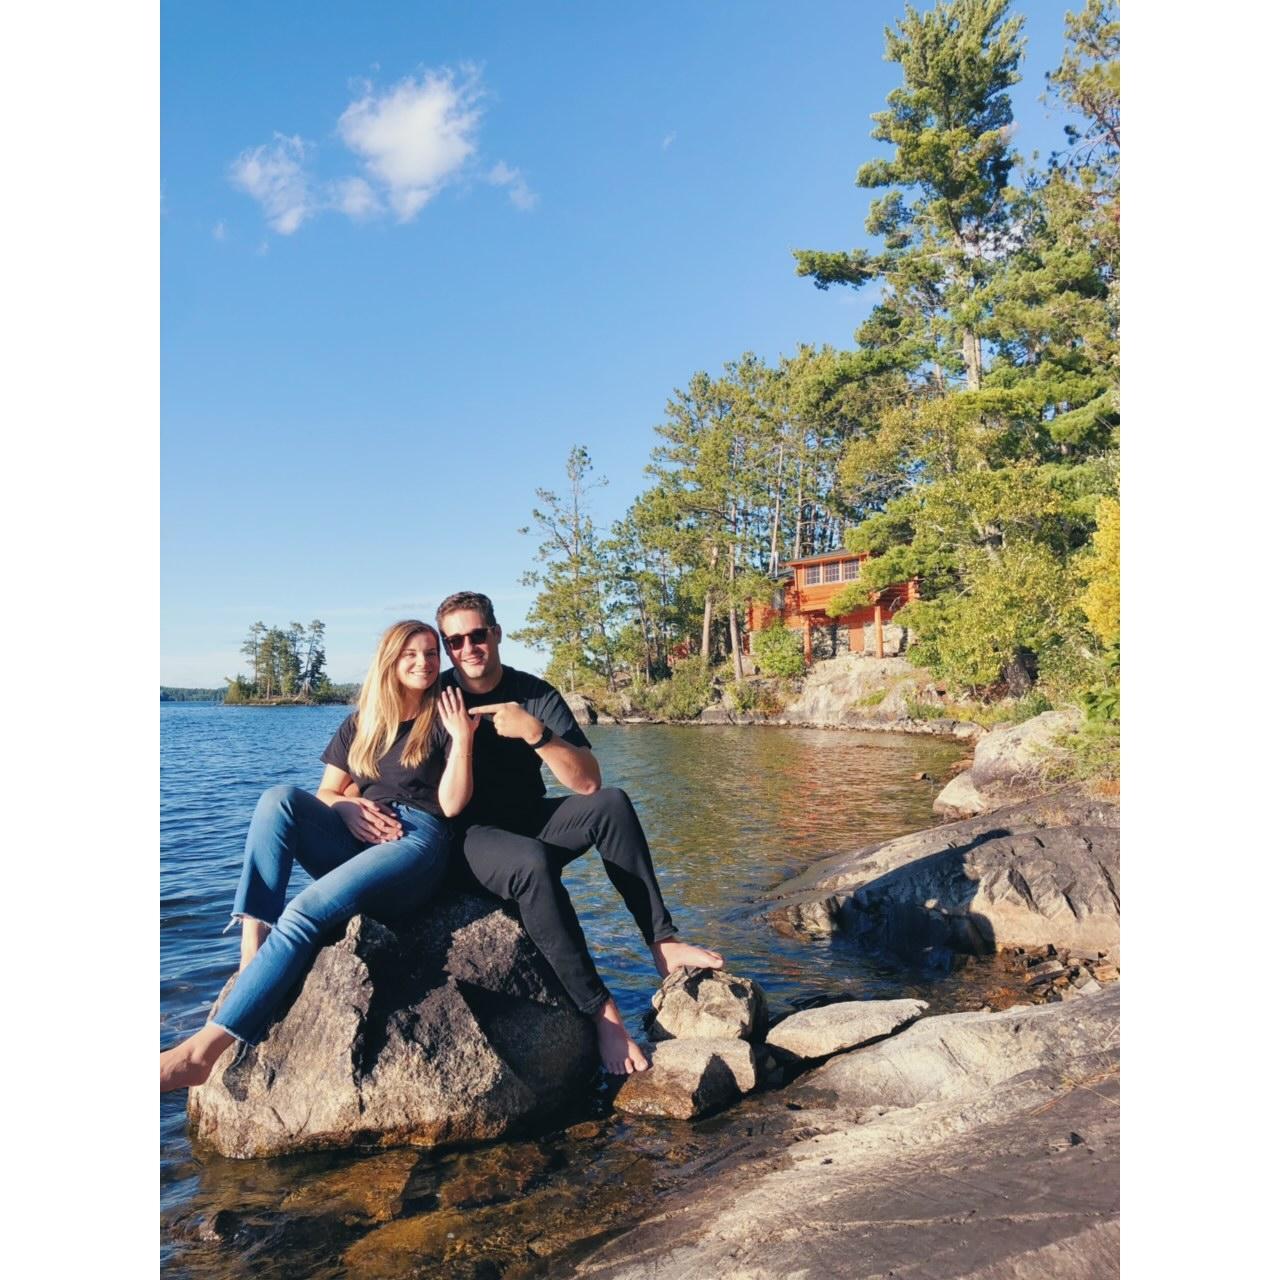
pixel 779 651
pixel 681 697
pixel 286 663
pixel 970 442
pixel 172 693
pixel 873 699
pixel 570 615
pixel 753 696
pixel 1005 711
pixel 1100 570
pixel 1089 755
pixel 1101 700
pixel 918 710
pixel 1017 601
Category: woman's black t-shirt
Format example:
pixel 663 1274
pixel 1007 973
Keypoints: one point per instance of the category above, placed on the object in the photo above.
pixel 396 783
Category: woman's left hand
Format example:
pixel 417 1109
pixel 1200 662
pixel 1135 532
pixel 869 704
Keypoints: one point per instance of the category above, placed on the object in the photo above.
pixel 461 727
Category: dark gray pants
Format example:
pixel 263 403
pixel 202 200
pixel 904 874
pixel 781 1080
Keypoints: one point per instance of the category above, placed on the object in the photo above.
pixel 524 867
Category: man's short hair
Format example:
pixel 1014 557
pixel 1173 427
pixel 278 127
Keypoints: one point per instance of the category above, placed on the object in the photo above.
pixel 464 601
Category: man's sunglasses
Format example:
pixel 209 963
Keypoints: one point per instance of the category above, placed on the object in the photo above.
pixel 477 636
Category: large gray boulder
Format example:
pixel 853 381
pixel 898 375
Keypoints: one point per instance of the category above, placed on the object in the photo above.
pixel 1045 871
pixel 1009 763
pixel 854 691
pixel 448 1027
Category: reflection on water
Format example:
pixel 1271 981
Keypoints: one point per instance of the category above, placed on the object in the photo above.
pixel 729 813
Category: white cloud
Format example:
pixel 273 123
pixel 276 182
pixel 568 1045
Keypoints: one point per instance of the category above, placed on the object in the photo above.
pixel 416 137
pixel 504 175
pixel 273 175
pixel 219 230
pixel 668 140
pixel 356 198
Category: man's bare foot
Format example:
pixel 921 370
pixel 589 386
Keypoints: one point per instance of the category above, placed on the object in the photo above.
pixel 618 1051
pixel 191 1062
pixel 670 954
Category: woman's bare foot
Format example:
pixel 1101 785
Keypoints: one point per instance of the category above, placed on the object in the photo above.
pixel 253 933
pixel 618 1051
pixel 670 954
pixel 191 1062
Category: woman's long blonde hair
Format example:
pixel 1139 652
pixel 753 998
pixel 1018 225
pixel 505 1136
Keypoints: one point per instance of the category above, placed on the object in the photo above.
pixel 378 714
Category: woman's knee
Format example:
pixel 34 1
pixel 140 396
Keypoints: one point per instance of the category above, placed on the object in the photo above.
pixel 279 799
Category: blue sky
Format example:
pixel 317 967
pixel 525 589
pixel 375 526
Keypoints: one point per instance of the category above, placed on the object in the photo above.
pixel 412 253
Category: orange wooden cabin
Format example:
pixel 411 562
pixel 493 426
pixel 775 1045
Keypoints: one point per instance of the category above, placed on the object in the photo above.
pixel 801 601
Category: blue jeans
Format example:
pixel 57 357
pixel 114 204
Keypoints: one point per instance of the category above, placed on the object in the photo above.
pixel 350 877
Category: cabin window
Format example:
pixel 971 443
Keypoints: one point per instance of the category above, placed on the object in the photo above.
pixel 812 575
pixel 831 572
pixel 849 569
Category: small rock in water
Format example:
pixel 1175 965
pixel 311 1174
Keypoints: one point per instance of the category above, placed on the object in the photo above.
pixel 689 1077
pixel 707 1004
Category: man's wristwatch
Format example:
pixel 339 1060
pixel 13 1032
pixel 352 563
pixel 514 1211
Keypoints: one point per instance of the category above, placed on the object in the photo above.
pixel 543 738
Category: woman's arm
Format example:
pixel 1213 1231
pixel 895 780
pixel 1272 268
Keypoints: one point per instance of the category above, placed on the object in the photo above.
pixel 455 785
pixel 366 819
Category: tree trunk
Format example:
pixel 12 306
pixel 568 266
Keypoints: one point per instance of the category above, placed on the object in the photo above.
pixel 734 646
pixel 972 360
pixel 706 612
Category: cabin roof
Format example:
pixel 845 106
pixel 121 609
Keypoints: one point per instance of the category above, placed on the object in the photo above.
pixel 827 557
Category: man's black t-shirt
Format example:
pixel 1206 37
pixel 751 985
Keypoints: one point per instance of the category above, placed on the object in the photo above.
pixel 417 787
pixel 507 771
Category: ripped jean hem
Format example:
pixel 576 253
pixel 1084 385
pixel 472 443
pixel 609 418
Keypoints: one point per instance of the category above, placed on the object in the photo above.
pixel 243 1044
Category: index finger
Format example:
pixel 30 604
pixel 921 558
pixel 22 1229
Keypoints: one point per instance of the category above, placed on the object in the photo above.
pixel 491 708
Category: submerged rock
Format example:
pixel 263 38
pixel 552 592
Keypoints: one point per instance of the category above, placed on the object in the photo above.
pixel 688 1078
pixel 444 1028
pixel 833 1028
pixel 707 1004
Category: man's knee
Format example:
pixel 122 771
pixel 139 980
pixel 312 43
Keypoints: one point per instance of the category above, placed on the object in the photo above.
pixel 614 805
pixel 528 869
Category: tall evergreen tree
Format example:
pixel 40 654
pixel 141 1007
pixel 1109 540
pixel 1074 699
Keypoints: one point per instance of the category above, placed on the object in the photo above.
pixel 949 126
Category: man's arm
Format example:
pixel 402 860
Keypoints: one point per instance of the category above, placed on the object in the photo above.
pixel 574 767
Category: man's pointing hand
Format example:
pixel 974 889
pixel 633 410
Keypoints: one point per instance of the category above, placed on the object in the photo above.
pixel 511 720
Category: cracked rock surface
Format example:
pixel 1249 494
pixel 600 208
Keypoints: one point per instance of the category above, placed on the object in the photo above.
pixel 444 1028
pixel 996 1159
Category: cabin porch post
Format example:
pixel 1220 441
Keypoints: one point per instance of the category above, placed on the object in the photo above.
pixel 879 632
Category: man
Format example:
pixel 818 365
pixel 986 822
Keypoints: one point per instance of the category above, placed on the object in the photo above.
pixel 516 840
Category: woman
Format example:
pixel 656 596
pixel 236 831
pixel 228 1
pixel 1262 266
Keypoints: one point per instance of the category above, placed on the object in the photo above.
pixel 381 849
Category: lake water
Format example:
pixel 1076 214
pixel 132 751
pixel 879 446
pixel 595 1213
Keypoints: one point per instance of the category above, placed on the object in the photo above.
pixel 729 813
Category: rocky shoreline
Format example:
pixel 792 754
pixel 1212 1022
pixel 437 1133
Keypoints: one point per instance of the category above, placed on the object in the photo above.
pixel 966 1145
pixel 879 1137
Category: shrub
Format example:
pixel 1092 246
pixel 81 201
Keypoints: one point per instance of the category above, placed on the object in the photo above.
pixel 779 651
pixel 745 695
pixel 680 698
pixel 923 710
pixel 873 699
